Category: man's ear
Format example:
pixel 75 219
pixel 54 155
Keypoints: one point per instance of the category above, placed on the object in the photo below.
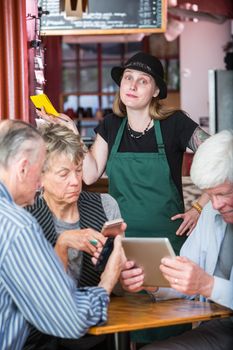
pixel 22 168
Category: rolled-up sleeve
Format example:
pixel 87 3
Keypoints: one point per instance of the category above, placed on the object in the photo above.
pixel 222 292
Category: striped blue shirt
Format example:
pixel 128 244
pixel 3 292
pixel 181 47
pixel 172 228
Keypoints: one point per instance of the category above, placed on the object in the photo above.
pixel 34 287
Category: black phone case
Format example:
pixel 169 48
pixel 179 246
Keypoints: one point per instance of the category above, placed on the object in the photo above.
pixel 104 255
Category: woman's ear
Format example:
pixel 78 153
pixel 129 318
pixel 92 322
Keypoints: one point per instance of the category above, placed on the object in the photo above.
pixel 156 93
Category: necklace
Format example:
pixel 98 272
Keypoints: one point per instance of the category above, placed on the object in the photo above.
pixel 139 135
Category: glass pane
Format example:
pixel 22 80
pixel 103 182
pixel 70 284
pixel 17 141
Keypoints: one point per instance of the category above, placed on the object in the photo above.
pixel 88 51
pixel 108 85
pixel 107 102
pixel 84 78
pixel 69 70
pixel 89 104
pixel 69 79
pixel 111 50
pixel 70 102
pixel 83 106
pixel 111 56
pixel 115 51
pixel 88 77
pixel 69 51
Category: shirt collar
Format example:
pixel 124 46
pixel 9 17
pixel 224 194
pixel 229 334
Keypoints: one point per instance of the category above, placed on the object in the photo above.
pixel 219 223
pixel 4 193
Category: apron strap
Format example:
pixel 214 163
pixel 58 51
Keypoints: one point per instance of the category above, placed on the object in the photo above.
pixel 159 138
pixel 116 144
pixel 118 137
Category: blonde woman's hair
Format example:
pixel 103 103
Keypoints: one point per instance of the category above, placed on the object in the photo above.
pixel 61 140
pixel 156 109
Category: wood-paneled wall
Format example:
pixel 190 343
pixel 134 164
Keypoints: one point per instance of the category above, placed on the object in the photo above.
pixel 14 59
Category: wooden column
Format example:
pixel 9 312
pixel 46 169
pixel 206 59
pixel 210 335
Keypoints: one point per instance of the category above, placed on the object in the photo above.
pixel 31 15
pixel 53 69
pixel 13 61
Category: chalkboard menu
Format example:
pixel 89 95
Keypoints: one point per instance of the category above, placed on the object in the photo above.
pixel 105 17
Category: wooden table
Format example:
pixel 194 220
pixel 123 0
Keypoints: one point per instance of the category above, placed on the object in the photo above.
pixel 135 312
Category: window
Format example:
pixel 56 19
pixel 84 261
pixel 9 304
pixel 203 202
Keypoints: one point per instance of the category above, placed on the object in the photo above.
pixel 86 78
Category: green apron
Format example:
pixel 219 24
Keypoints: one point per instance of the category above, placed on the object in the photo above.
pixel 142 185
pixel 147 196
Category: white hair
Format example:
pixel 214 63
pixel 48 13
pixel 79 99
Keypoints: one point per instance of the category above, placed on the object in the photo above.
pixel 16 139
pixel 213 162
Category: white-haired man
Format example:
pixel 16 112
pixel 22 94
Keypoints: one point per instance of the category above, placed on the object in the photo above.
pixel 34 288
pixel 204 266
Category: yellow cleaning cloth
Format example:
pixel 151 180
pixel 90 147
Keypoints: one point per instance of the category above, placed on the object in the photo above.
pixel 42 100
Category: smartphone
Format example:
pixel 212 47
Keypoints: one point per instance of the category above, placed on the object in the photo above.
pixel 104 255
pixel 112 228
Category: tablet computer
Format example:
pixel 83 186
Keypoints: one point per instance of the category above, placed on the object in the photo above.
pixel 147 253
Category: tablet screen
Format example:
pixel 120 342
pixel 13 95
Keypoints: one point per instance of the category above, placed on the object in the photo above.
pixel 147 253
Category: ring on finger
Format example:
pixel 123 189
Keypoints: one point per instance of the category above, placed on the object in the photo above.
pixel 93 242
pixel 175 281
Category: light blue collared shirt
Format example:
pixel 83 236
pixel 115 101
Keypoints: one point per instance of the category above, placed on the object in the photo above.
pixel 203 247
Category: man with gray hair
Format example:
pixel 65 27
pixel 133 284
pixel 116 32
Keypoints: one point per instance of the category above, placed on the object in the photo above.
pixel 205 265
pixel 34 288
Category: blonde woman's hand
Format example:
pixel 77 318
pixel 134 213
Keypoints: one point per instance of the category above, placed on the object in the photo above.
pixel 190 218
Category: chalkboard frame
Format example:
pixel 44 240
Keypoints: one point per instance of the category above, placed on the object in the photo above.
pixel 145 30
